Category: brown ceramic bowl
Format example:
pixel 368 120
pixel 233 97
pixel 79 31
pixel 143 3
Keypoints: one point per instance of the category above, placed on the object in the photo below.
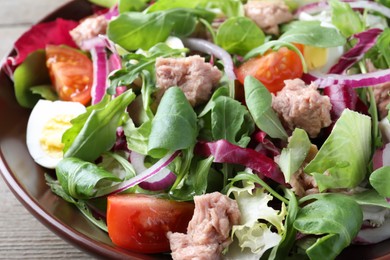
pixel 26 179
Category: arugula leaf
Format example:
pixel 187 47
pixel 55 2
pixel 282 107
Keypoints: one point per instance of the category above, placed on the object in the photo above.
pixel 282 250
pixel 57 189
pixel 295 153
pixel 31 73
pixel 345 18
pixel 81 179
pixel 380 180
pixel 136 30
pixel 239 35
pixel 335 217
pixel 312 33
pixel 259 102
pixel 138 64
pixel 175 125
pixel 383 45
pixel 94 132
pixel 342 160
pixel 195 181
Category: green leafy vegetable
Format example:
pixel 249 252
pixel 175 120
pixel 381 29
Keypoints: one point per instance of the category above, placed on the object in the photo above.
pixel 229 120
pixel 252 232
pixel 343 158
pixel 281 251
pixel 81 179
pixel 345 18
pixel 259 102
pixel 239 35
pixel 380 180
pixel 136 30
pixel 370 197
pixel 131 5
pixel 31 73
pixel 295 153
pixel 175 125
pixel 195 181
pixel 383 45
pixel 312 33
pixel 94 132
pixel 57 189
pixel 138 64
pixel 45 91
pixel 335 217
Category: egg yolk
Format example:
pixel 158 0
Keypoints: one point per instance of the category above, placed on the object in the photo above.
pixel 315 57
pixel 52 134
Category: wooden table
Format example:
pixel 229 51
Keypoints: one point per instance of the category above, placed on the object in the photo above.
pixel 21 235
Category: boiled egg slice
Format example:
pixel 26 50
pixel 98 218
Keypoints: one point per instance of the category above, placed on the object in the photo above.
pixel 321 59
pixel 47 123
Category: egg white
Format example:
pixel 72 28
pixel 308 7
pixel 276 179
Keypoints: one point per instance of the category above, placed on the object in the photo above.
pixel 43 112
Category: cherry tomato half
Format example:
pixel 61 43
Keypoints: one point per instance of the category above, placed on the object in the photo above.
pixel 273 68
pixel 139 222
pixel 71 73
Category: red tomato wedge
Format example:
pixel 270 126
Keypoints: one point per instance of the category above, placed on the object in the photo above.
pixel 71 73
pixel 140 222
pixel 272 69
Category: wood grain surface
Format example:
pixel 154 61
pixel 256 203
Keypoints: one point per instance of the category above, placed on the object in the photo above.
pixel 21 235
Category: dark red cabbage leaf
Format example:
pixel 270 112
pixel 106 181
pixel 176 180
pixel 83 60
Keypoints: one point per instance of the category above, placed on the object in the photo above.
pixel 54 32
pixel 226 152
pixel 366 40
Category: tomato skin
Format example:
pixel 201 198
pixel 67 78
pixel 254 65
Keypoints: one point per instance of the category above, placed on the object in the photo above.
pixel 140 222
pixel 273 68
pixel 71 73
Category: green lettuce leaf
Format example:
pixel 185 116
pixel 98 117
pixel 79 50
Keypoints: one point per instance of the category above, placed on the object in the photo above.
pixel 252 232
pixel 342 160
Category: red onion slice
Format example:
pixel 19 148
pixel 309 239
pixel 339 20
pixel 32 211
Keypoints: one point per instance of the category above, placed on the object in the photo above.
pixel 143 176
pixel 352 81
pixel 212 49
pixel 313 8
pixel 162 180
pixel 100 72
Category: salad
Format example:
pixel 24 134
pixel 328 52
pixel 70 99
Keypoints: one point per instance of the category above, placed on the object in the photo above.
pixel 220 129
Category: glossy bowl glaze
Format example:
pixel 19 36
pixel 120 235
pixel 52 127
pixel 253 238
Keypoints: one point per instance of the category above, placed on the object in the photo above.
pixel 26 179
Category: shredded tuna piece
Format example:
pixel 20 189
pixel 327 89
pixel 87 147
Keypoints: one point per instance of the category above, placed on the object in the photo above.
pixel 192 74
pixel 268 14
pixel 208 232
pixel 89 28
pixel 302 106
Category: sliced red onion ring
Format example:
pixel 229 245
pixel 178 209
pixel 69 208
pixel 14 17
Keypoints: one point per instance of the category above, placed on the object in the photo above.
pixel 352 81
pixel 143 176
pixel 313 8
pixel 100 72
pixel 161 181
pixel 212 49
